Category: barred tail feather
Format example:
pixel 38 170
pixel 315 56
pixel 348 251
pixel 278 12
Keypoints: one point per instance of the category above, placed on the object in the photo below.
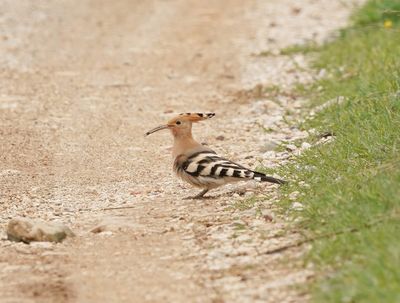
pixel 264 178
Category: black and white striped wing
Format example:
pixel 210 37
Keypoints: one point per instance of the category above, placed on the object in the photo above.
pixel 208 164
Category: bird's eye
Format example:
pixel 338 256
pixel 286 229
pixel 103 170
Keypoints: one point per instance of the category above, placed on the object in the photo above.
pixel 178 122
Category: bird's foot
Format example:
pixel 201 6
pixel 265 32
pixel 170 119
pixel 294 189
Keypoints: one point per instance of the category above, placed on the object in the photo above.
pixel 198 196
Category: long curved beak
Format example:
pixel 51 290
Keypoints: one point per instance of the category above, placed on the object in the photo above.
pixel 156 129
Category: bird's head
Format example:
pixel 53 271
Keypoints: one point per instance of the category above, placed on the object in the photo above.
pixel 182 124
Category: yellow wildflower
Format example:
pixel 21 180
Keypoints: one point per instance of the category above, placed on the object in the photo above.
pixel 388 23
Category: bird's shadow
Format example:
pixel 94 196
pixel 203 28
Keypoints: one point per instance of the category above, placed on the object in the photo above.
pixel 202 198
pixel 213 197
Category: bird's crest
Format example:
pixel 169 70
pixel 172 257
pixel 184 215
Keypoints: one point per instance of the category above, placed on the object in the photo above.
pixel 192 117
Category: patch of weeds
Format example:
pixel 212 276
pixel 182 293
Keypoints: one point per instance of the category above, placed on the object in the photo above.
pixel 288 119
pixel 265 54
pixel 304 48
pixel 258 92
pixel 299 49
pixel 302 90
pixel 265 129
pixel 258 212
pixel 272 90
pixel 245 204
pixel 265 235
pixel 281 147
pixel 268 129
pixel 378 12
pixel 239 226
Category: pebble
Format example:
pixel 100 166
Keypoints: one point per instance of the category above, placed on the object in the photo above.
pixel 291 147
pixel 305 145
pixel 297 206
pixel 106 233
pixel 269 155
pixel 304 184
pixel 42 245
pixel 116 224
pixel 268 218
pixel 294 195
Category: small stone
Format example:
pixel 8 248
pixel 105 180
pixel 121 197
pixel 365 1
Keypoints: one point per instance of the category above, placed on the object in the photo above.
pixel 305 145
pixel 291 147
pixel 107 233
pixel 294 195
pixel 267 215
pixel 190 79
pixel 29 230
pixel 116 224
pixel 296 10
pixel 220 138
pixel 147 89
pixel 269 155
pixel 322 73
pixel 304 184
pixel 248 193
pixel 297 152
pixel 326 134
pixel 297 206
pixel 42 245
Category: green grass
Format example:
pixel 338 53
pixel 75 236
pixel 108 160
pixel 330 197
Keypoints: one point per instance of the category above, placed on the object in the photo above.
pixel 378 11
pixel 299 49
pixel 354 182
pixel 292 50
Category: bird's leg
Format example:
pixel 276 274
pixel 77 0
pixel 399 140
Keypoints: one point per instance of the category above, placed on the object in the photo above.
pixel 200 195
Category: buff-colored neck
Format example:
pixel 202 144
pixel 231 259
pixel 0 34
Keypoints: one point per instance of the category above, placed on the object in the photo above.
pixel 183 143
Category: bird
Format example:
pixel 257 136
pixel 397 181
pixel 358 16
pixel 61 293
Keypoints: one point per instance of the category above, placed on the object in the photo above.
pixel 199 165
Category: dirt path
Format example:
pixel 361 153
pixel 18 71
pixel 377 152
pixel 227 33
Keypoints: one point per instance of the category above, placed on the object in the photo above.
pixel 81 81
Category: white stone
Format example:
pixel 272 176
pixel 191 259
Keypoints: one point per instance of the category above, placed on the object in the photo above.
pixel 291 147
pixel 297 206
pixel 305 145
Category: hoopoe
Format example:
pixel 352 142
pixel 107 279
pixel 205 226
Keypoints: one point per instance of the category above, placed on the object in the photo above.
pixel 199 165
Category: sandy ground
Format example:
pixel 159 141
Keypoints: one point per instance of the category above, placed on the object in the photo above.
pixel 81 82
